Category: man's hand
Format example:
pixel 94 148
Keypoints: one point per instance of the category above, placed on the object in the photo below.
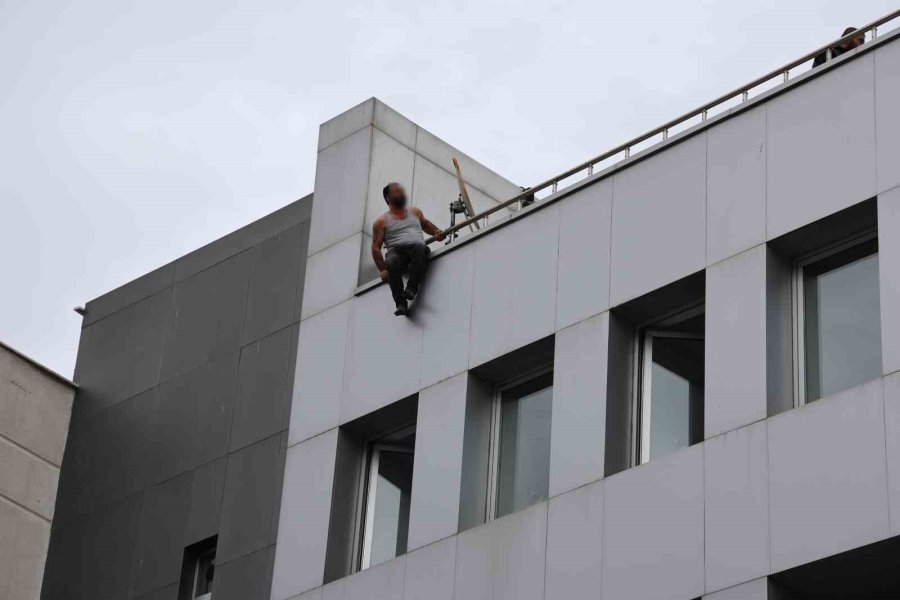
pixel 384 275
pixel 439 236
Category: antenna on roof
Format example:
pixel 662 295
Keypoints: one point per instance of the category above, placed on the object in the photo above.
pixel 462 205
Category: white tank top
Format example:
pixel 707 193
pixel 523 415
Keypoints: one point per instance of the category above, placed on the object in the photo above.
pixel 402 232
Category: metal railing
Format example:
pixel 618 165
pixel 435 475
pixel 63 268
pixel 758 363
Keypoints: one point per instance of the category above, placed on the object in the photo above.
pixel 779 76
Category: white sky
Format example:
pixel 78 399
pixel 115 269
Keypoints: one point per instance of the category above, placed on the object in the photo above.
pixel 134 132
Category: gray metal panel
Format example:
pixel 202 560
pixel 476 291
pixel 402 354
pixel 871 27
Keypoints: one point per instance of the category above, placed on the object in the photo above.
pixel 249 498
pixel 430 570
pixel 578 436
pixel 445 310
pixel 659 220
pixel 889 277
pixel 887 117
pixel 380 582
pixel 821 147
pixel 514 296
pixel 245 237
pixel 383 355
pixel 246 578
pixel 143 287
pixel 160 548
pixel 828 476
pixel 276 265
pixel 109 457
pixel 575 544
pixel 736 185
pixel 892 431
pixel 735 370
pixel 757 589
pixel 170 592
pixel 207 484
pixel 207 315
pixel 331 275
pixel 736 506
pixel 70 572
pixel 319 373
pixel 339 203
pixel 504 559
pixel 120 356
pixel 193 419
pixel 437 468
pixel 263 388
pixel 653 529
pixel 305 508
pixel 582 288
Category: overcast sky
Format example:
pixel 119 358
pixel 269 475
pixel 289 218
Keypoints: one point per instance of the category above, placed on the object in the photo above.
pixel 134 132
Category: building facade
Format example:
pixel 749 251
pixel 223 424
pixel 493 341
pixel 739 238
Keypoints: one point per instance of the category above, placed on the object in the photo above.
pixel 35 406
pixel 678 378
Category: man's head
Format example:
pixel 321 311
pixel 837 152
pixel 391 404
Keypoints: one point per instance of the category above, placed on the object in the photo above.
pixel 394 195
pixel 854 42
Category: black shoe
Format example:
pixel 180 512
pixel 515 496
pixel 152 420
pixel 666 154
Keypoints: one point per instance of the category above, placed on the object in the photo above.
pixel 402 309
pixel 410 293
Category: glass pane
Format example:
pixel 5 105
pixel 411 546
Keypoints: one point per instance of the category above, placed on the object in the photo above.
pixel 391 516
pixel 205 571
pixel 524 461
pixel 676 394
pixel 842 319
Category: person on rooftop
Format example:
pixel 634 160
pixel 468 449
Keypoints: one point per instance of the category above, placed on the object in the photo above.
pixel 845 46
pixel 399 230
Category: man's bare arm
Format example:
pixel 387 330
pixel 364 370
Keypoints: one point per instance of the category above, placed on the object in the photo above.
pixel 427 226
pixel 377 242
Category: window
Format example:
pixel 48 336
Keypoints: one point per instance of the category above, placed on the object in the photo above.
pixel 520 445
pixel 837 330
pixel 669 391
pixel 388 488
pixel 197 571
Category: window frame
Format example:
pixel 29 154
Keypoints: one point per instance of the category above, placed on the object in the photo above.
pixel 642 395
pixel 798 301
pixel 373 446
pixel 493 474
pixel 195 583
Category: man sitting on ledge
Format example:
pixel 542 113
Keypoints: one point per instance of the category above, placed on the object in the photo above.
pixel 400 231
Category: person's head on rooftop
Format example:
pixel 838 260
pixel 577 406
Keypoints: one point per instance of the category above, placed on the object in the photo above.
pixel 854 42
pixel 394 195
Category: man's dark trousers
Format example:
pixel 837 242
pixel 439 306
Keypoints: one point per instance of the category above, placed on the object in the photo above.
pixel 400 259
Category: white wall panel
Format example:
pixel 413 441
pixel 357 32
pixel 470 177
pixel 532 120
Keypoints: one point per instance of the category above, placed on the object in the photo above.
pixel 390 161
pixel 887 117
pixel 444 308
pixel 381 582
pixel 437 469
pixel 892 430
pixel 503 560
pixel 574 544
pixel 319 373
pixel 653 530
pixel 342 176
pixel 889 277
pixel 331 276
pixel 383 355
pixel 350 121
pixel 514 295
pixel 736 185
pixel 659 220
pixel 584 232
pixel 578 426
pixel 735 370
pixel 827 477
pixel 305 510
pixel 737 506
pixel 821 153
pixel 758 589
pixel 430 570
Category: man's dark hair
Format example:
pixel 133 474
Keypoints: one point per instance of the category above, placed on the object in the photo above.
pixel 848 31
pixel 387 189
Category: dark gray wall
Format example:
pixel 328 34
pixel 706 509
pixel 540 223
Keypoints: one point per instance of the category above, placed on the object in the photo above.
pixel 180 424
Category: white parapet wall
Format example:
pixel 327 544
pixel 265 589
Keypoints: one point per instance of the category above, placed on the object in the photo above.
pixel 365 148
